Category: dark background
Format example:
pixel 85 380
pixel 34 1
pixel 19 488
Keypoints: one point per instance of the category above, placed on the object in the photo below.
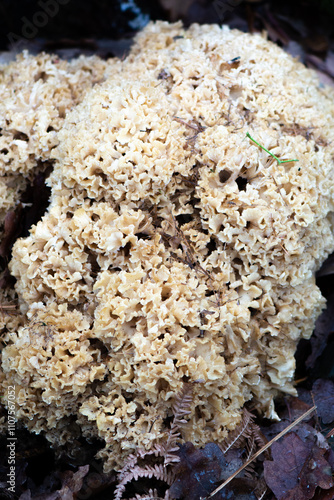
pixel 59 24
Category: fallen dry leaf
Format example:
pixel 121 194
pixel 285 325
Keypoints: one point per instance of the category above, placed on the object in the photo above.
pixel 316 472
pixel 324 326
pixel 297 469
pixel 323 393
pixel 199 471
pixel 72 483
pixel 324 494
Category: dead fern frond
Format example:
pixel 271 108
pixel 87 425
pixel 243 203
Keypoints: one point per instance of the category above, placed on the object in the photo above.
pixel 158 471
pixel 151 495
pixel 141 453
pixel 250 447
pixel 259 438
pixel 255 440
pixel 132 471
pixel 131 462
pixel 242 432
pixel 181 408
pixel 262 492
pixel 182 404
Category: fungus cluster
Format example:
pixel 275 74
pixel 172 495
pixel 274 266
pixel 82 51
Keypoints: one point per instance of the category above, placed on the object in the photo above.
pixel 174 248
pixel 36 92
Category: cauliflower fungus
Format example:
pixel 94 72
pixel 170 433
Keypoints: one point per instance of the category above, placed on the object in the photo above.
pixel 35 94
pixel 174 248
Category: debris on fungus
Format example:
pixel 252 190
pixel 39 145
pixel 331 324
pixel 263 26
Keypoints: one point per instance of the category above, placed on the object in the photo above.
pixel 175 248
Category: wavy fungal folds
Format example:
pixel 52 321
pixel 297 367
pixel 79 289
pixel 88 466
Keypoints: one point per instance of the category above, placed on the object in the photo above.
pixel 175 248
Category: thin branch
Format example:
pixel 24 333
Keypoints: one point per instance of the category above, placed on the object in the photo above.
pixel 330 434
pixel 264 448
pixel 197 127
pixel 8 308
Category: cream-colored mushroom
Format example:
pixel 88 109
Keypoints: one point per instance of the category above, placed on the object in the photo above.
pixel 174 247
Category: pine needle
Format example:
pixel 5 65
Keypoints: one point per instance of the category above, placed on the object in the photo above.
pixel 330 434
pixel 264 448
pixel 267 151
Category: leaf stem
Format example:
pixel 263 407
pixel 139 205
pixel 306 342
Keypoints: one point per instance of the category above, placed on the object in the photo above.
pixel 267 151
